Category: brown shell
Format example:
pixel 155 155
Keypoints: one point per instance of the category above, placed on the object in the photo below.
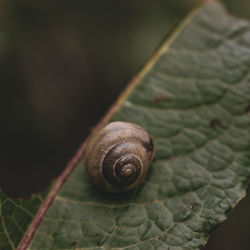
pixel 118 156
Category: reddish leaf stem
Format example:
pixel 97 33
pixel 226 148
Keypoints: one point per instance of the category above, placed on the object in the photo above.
pixel 69 168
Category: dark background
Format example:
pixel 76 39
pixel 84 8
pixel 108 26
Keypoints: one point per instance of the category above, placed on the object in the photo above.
pixel 62 64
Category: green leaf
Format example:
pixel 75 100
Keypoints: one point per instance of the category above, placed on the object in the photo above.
pixel 193 97
pixel 15 216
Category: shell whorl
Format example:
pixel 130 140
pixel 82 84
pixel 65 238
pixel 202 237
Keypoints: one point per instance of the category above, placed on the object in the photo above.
pixel 118 156
pixel 122 164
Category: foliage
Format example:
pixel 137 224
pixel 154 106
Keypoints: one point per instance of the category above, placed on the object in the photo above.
pixel 193 97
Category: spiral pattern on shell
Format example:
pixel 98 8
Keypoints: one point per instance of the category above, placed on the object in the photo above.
pixel 118 156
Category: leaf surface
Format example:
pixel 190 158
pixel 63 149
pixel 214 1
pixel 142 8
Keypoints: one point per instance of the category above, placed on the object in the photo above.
pixel 193 97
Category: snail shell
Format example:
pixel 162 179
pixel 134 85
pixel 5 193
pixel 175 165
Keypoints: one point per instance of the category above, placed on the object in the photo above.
pixel 118 156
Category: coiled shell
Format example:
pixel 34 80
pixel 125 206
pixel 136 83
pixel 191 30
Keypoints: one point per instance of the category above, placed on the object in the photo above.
pixel 117 157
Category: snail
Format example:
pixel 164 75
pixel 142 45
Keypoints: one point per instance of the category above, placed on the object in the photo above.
pixel 117 157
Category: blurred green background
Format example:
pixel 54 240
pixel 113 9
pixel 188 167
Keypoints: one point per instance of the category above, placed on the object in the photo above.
pixel 62 64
